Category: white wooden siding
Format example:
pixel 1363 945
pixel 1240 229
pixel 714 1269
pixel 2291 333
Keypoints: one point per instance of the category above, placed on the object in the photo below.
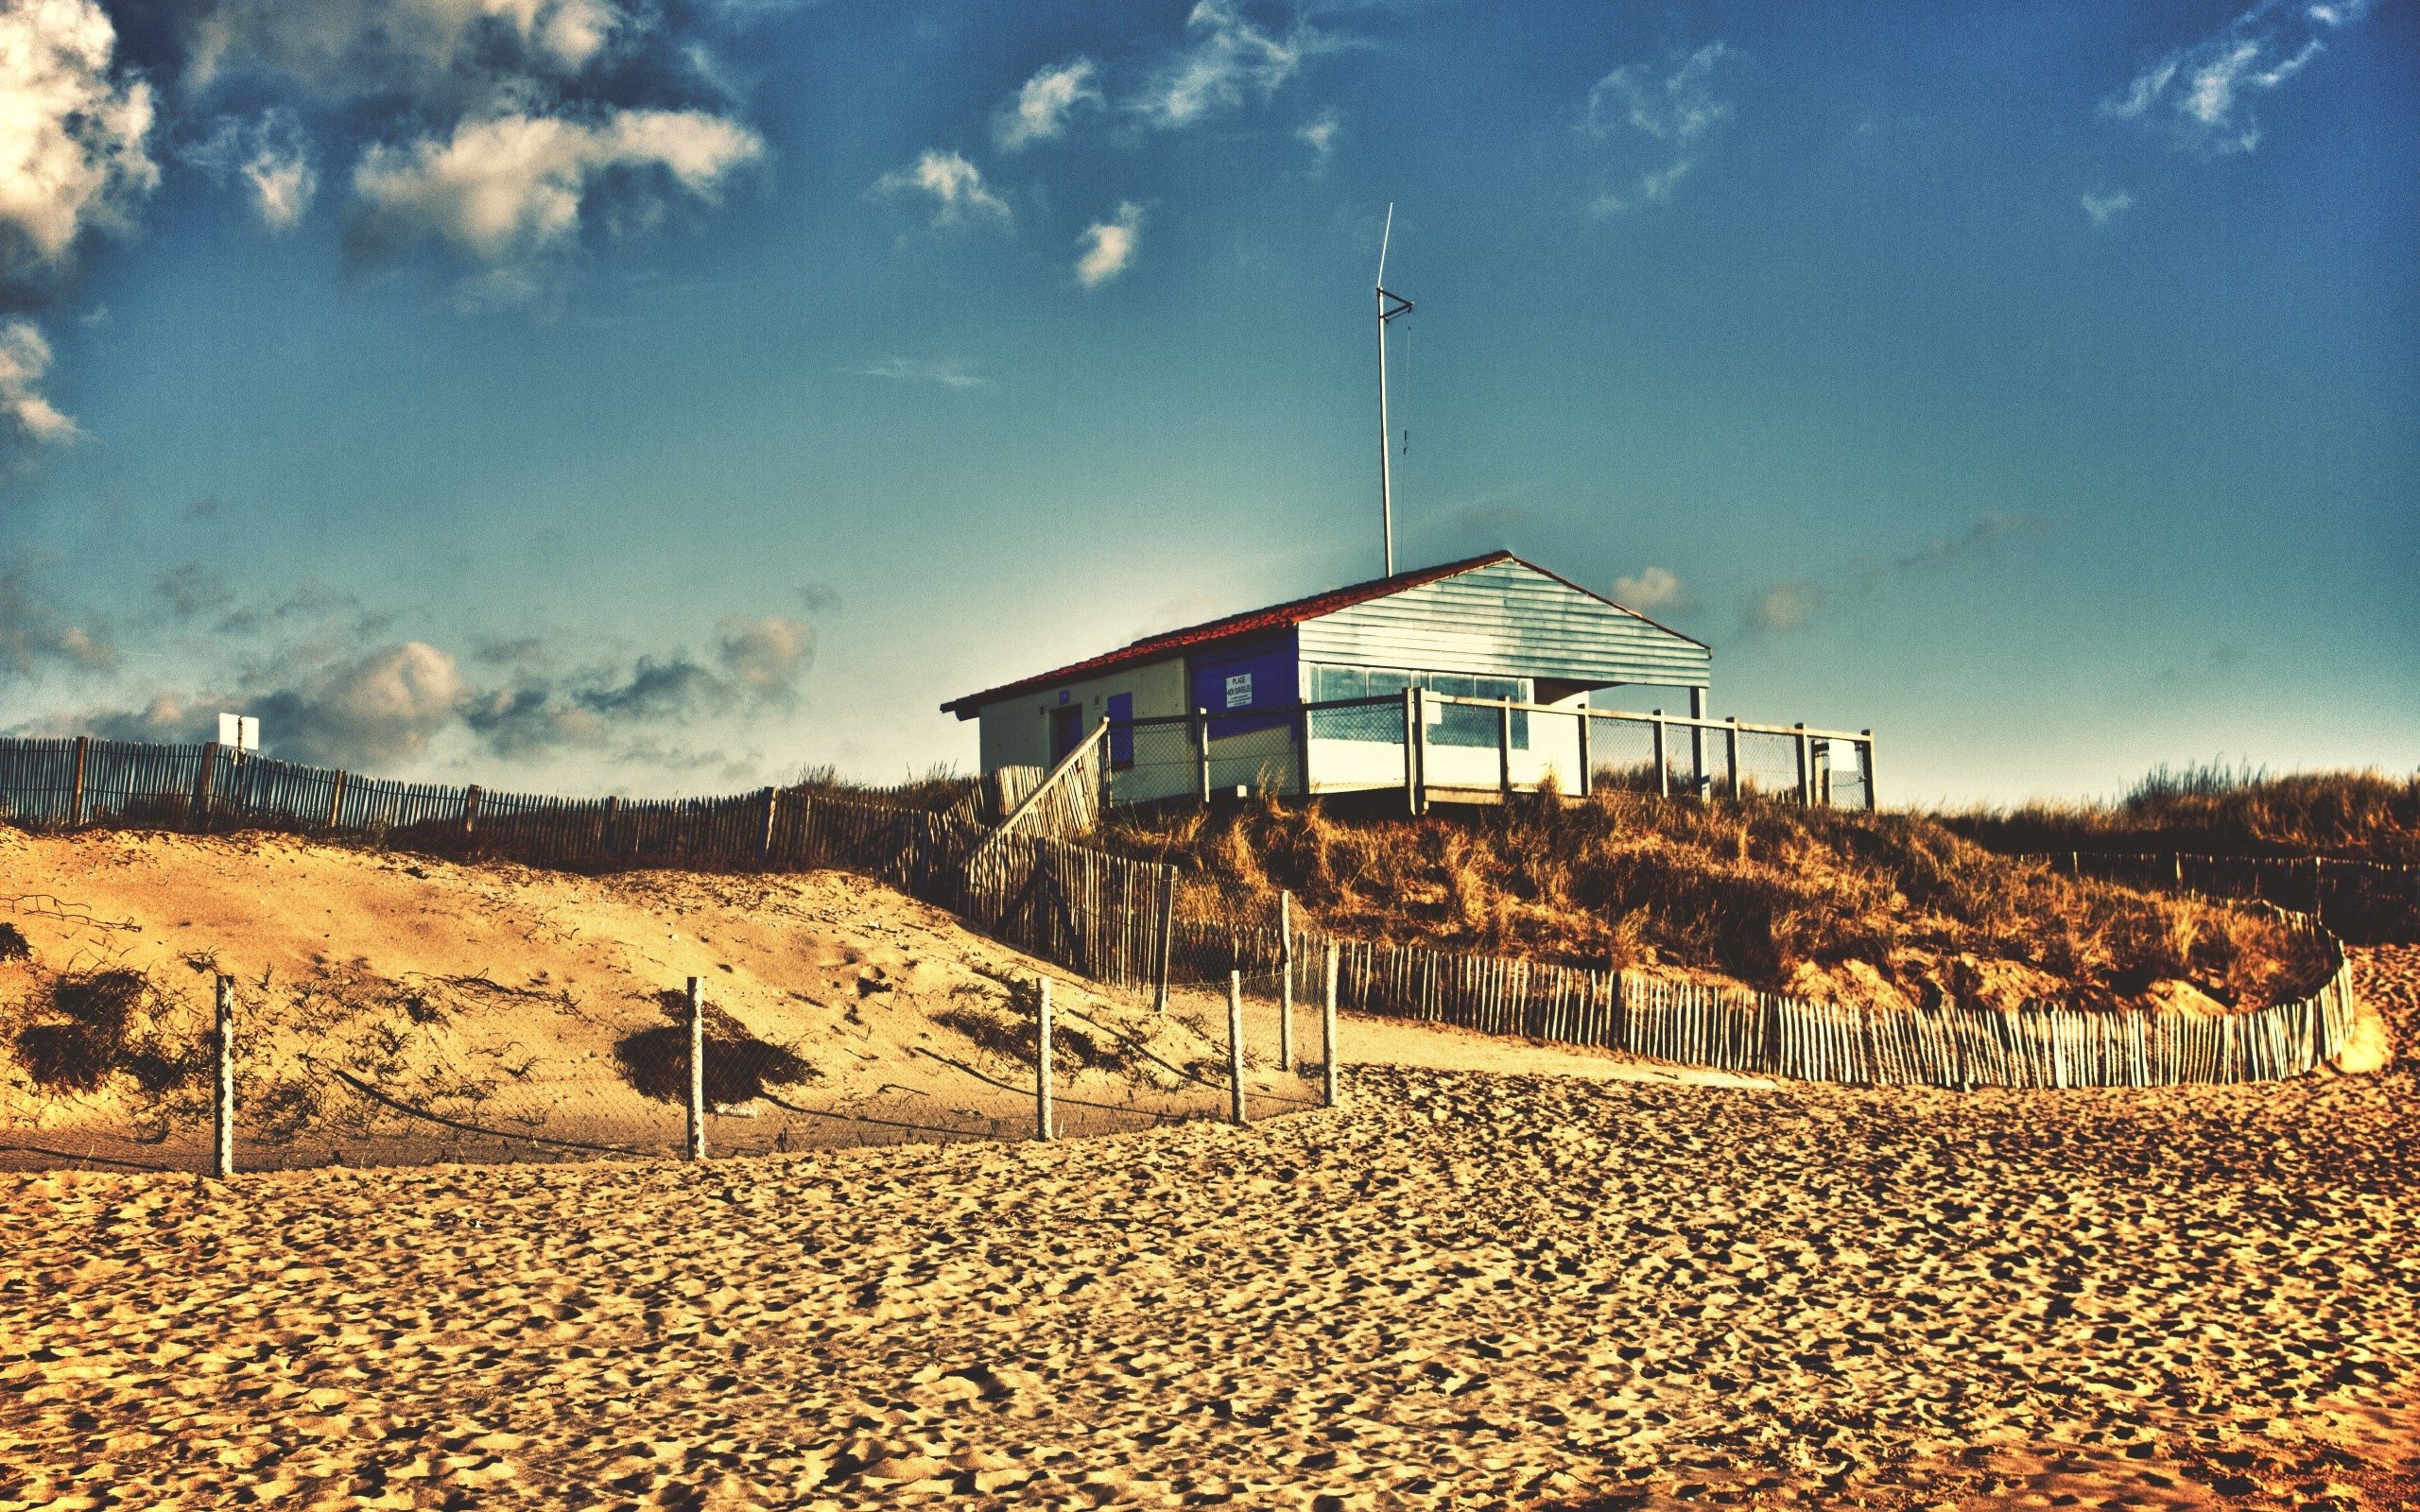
pixel 1505 620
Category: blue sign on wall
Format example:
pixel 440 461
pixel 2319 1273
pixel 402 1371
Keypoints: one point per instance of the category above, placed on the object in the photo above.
pixel 1261 676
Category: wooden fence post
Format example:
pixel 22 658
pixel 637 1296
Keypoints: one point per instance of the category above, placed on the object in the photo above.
pixel 1328 1085
pixel 1805 760
pixel 1865 765
pixel 1410 752
pixel 1286 980
pixel 1168 933
pixel 1201 752
pixel 201 782
pixel 1504 750
pixel 75 796
pixel 1663 763
pixel 335 802
pixel 605 830
pixel 470 809
pixel 1731 751
pixel 1699 785
pixel 1235 1048
pixel 222 1101
pixel 765 842
pixel 1588 763
pixel 696 1146
pixel 1041 1121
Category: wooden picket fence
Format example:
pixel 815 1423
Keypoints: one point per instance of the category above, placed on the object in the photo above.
pixel 1120 921
pixel 2358 899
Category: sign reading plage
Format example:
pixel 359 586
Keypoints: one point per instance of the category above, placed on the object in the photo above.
pixel 1239 691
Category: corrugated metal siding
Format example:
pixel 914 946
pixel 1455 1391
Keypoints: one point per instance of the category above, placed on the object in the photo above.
pixel 1509 620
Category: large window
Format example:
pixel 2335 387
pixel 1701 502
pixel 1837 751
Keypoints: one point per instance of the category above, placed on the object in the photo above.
pixel 1448 723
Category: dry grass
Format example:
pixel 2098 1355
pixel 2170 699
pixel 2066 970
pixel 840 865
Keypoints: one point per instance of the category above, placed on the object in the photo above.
pixel 2221 811
pixel 1884 908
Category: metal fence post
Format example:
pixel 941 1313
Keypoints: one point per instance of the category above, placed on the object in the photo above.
pixel 1286 981
pixel 1865 765
pixel 1504 750
pixel 1663 762
pixel 1235 1048
pixel 1731 751
pixel 1806 792
pixel 697 1146
pixel 1202 753
pixel 222 1151
pixel 1699 785
pixel 1588 763
pixel 1328 1085
pixel 1042 1119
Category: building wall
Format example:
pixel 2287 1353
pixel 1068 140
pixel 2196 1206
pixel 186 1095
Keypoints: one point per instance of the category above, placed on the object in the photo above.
pixel 1507 620
pixel 1016 732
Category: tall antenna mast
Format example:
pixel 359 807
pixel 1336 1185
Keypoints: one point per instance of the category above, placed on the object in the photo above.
pixel 1385 444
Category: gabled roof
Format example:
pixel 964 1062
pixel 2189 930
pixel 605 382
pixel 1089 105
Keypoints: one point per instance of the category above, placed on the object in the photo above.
pixel 1257 622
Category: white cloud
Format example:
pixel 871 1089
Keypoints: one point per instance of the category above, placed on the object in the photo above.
pixel 2203 94
pixel 1109 246
pixel 505 188
pixel 74 139
pixel 765 657
pixel 1040 109
pixel 1668 106
pixel 1226 62
pixel 26 416
pixel 956 187
pixel 947 374
pixel 1653 590
pixel 459 53
pixel 1780 608
pixel 1320 136
pixel 2106 208
pixel 270 156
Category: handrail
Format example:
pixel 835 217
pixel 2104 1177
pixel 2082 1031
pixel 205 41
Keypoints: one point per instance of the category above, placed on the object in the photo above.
pixel 1567 711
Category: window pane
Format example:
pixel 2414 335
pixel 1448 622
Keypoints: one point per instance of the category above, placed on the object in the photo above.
pixel 1385 684
pixel 1337 682
pixel 1456 683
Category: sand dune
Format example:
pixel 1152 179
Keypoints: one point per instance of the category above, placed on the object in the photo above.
pixel 1464 1290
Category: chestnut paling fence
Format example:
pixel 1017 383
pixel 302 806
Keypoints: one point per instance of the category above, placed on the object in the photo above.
pixel 1144 926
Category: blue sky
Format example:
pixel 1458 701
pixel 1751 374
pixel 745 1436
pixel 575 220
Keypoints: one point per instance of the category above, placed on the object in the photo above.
pixel 597 395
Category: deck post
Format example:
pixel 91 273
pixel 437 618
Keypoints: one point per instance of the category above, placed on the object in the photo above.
pixel 1202 753
pixel 1698 783
pixel 1420 750
pixel 1504 750
pixel 1587 765
pixel 75 796
pixel 1663 763
pixel 1731 751
pixel 1865 765
pixel 1806 761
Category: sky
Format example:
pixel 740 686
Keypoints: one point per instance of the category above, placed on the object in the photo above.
pixel 663 396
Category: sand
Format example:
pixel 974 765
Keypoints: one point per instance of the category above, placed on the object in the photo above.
pixel 1464 1290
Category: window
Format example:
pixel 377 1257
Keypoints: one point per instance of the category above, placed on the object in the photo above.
pixel 1448 723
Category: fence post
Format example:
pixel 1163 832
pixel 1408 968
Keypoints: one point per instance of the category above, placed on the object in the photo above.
pixel 1699 786
pixel 1419 736
pixel 1168 933
pixel 1865 765
pixel 1201 752
pixel 201 782
pixel 765 842
pixel 1041 1121
pixel 222 1101
pixel 1235 1048
pixel 336 800
pixel 1328 1094
pixel 1806 757
pixel 1286 980
pixel 1731 751
pixel 605 830
pixel 1663 763
pixel 75 797
pixel 1302 733
pixel 470 808
pixel 1588 763
pixel 1410 752
pixel 697 1146
pixel 1504 750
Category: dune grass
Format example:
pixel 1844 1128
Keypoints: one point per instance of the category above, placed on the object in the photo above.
pixel 1887 908
pixel 2219 810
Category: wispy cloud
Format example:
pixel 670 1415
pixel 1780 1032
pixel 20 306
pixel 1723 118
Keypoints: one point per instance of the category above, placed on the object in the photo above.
pixel 1042 105
pixel 2104 208
pixel 948 373
pixel 1664 109
pixel 36 637
pixel 272 157
pixel 1653 591
pixel 955 186
pixel 1319 134
pixel 1108 247
pixel 1227 60
pixel 26 416
pixel 2203 94
pixel 1792 604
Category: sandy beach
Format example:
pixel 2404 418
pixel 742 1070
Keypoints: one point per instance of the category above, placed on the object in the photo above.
pixel 1464 1290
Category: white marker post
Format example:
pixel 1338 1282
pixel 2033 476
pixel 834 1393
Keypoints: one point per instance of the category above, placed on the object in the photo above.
pixel 1235 1048
pixel 223 1093
pixel 1041 1121
pixel 697 1072
pixel 1329 1093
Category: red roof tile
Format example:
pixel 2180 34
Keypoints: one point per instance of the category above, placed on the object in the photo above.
pixel 1235 626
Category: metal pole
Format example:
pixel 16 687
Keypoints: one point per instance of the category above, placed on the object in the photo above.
pixel 1386 478
pixel 1328 1092
pixel 1235 1048
pixel 1420 749
pixel 1201 752
pixel 1698 783
pixel 1865 764
pixel 1410 752
pixel 1663 764
pixel 697 1146
pixel 223 1093
pixel 1586 760
pixel 1042 1122
pixel 1286 980
pixel 1806 793
pixel 1731 752
pixel 1504 751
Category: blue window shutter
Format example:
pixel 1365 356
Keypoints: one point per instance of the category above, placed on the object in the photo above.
pixel 1121 730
